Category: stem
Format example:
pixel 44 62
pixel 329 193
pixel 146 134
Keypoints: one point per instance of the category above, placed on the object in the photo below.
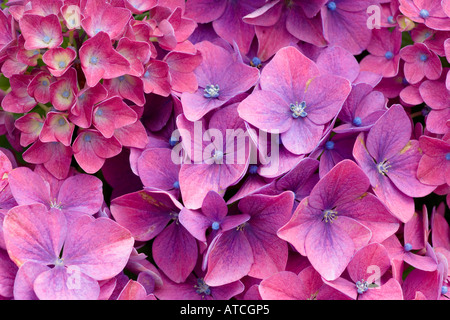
pixel 71 37
pixel 44 107
pixel 416 114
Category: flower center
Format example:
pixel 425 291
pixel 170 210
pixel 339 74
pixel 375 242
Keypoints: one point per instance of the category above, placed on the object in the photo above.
pixel 390 19
pixel 389 55
pixel 61 122
pixel 59 262
pixel 87 138
pixel 65 94
pixel 211 91
pixel 121 78
pixel 46 39
pixel 383 167
pixel 424 13
pixel 44 83
pixel 202 288
pixel 218 155
pixel 55 205
pixel 362 286
pixel 62 64
pixel 447 156
pixel 173 141
pixel 357 121
pixel 215 225
pixel 93 60
pixel 423 57
pixel 298 110
pixel 331 5
pixel 329 216
pixel 252 169
pixel 444 289
pixel 329 145
pixel 256 62
pixel 176 185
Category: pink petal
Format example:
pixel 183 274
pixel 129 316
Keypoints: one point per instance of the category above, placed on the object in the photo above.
pixel 229 259
pixel 32 233
pixel 55 284
pixel 113 245
pixel 175 252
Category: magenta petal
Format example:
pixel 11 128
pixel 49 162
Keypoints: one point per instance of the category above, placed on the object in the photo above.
pixel 332 90
pixel 39 87
pixel 58 60
pixel 144 213
pixel 7 276
pixel 91 149
pixel 361 267
pixel 28 187
pixel 18 100
pixel 435 94
pixel 86 200
pixel 424 281
pixel 32 233
pixel 100 60
pixel 157 170
pixel 195 105
pixel 113 245
pixel 231 27
pixel 175 252
pixel 112 114
pixel 372 213
pixel 305 128
pixel 268 214
pixel 55 157
pixel 214 206
pixel 23 283
pixel 308 29
pixel 346 29
pixel 204 10
pixel 404 168
pixel 344 286
pixel 54 284
pixel 287 74
pixel 338 61
pixel 284 285
pixel 229 259
pixel 390 290
pixel 265 35
pixel 401 205
pixel 102 16
pixel 136 52
pixel 302 221
pixel 156 78
pixel 330 248
pixel 390 134
pixel 195 222
pixel 424 263
pixel 344 183
pixel 267 111
pixel 128 87
pixel 41 32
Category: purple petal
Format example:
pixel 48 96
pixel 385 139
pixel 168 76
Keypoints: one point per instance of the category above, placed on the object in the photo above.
pixel 175 252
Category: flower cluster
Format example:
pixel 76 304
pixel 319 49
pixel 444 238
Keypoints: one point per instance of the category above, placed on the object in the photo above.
pixel 222 149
